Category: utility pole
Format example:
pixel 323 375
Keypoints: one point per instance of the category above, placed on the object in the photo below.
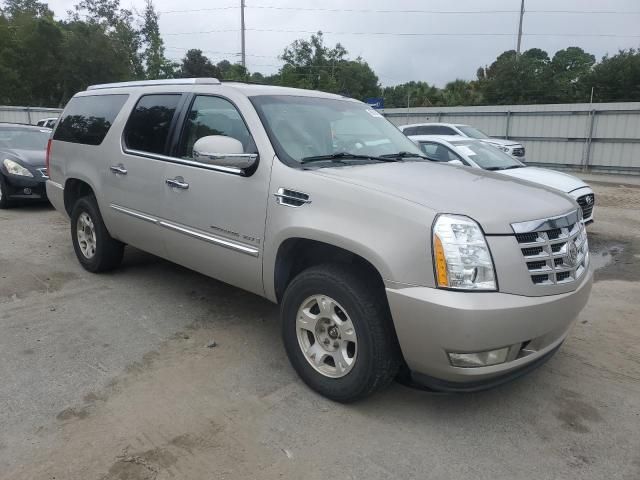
pixel 244 58
pixel 520 28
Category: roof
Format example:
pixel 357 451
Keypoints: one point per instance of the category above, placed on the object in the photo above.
pixel 248 89
pixel 446 138
pixel 429 124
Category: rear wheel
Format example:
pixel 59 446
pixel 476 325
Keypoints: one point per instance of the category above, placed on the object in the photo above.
pixel 338 333
pixel 96 250
pixel 5 202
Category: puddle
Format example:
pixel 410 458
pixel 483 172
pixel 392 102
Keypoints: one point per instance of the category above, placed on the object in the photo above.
pixel 615 258
pixel 605 255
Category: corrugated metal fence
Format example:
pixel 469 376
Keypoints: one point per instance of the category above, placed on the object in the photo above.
pixel 29 115
pixel 598 137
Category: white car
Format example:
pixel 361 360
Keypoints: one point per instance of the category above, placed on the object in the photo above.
pixel 47 122
pixel 514 149
pixel 477 154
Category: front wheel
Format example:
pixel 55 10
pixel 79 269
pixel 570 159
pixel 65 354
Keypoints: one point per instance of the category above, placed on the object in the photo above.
pixel 338 333
pixel 4 193
pixel 96 250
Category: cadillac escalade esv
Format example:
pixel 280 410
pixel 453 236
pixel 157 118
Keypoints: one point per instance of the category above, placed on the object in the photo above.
pixel 383 263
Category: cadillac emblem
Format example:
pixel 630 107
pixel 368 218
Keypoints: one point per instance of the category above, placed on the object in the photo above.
pixel 572 254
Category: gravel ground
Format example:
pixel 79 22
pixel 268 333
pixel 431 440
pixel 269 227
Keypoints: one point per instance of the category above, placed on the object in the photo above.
pixel 112 377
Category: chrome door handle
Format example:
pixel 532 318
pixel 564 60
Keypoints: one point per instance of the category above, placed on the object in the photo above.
pixel 177 182
pixel 118 169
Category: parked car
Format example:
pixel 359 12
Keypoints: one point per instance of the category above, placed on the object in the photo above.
pixel 381 262
pixel 510 147
pixel 22 162
pixel 47 122
pixel 477 154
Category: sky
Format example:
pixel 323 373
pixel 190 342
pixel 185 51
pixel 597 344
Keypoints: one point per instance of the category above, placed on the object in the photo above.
pixel 402 40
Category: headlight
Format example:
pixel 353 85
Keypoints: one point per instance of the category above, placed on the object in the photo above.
pixel 15 168
pixel 461 255
pixel 504 149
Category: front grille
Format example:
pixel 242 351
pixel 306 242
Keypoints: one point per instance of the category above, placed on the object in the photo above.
pixel 518 152
pixel 556 251
pixel 586 203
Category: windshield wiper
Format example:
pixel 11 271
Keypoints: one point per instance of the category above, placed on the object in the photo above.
pixel 337 157
pixel 493 169
pixel 400 155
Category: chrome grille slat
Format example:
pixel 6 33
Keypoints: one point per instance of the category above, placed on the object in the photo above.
pixel 554 256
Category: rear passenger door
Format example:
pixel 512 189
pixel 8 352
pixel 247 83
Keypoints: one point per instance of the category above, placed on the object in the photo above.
pixel 215 219
pixel 135 173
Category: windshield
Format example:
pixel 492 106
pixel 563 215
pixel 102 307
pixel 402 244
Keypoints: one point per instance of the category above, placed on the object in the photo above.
pixel 486 156
pixel 23 139
pixel 307 127
pixel 472 132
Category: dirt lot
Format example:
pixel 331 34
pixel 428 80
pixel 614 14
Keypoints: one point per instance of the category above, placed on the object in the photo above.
pixel 111 377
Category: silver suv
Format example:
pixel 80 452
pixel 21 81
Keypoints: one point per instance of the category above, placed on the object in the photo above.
pixel 385 265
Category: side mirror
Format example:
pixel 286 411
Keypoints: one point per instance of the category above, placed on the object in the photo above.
pixel 222 151
pixel 456 162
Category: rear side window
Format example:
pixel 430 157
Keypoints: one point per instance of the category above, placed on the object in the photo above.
pixel 87 120
pixel 410 131
pixel 148 127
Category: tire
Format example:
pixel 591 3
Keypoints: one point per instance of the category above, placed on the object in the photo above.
pixel 5 202
pixel 375 353
pixel 96 250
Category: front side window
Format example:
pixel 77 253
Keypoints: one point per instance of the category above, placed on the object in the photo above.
pixel 438 153
pixel 213 116
pixel 87 120
pixel 472 132
pixel 306 127
pixel 148 126
pixel 487 156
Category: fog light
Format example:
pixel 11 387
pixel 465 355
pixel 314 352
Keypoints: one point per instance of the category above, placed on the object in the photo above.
pixel 479 359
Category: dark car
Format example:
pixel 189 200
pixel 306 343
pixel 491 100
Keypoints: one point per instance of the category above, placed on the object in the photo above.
pixel 23 171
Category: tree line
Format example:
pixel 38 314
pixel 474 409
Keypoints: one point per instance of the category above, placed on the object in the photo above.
pixel 44 61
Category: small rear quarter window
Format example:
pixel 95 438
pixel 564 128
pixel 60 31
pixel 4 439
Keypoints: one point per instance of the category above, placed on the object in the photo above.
pixel 87 120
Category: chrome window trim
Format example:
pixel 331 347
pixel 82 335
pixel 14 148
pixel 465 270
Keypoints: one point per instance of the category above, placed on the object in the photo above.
pixel 180 161
pixel 561 221
pixel 239 247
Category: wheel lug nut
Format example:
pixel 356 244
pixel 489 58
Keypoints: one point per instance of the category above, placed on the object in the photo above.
pixel 322 329
pixel 326 341
pixel 336 344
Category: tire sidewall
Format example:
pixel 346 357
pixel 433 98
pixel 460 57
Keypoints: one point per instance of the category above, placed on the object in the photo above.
pixel 354 382
pixel 87 205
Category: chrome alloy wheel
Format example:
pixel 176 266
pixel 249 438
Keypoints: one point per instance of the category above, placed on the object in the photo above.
pixel 86 235
pixel 326 336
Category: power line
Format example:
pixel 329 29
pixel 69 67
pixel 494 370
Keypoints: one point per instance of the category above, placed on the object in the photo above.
pixel 415 34
pixel 414 11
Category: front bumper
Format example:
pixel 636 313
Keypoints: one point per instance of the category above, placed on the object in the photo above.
pixel 431 322
pixel 26 187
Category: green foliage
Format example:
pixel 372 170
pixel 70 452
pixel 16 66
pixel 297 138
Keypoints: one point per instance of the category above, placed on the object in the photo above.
pixel 615 78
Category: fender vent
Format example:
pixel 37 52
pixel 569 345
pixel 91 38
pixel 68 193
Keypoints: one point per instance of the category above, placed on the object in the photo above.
pixel 291 198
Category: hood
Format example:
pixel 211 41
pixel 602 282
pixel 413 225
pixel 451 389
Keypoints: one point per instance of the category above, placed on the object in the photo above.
pixel 493 200
pixel 33 158
pixel 501 142
pixel 550 178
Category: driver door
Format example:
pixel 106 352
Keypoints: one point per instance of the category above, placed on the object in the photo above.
pixel 214 216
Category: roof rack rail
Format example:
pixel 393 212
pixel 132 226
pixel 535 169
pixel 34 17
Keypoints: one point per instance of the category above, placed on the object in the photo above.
pixel 149 83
